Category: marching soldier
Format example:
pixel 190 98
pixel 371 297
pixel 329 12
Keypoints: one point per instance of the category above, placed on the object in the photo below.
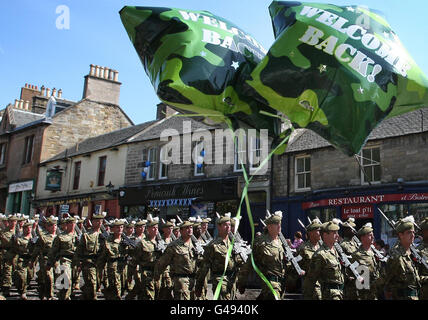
pixel 197 232
pixel 3 228
pixel 269 257
pixel 180 255
pixel 45 278
pixel 325 265
pixel 176 231
pixel 214 259
pixel 88 251
pixel 22 247
pixel 133 268
pixel 311 291
pixel 113 253
pixel 147 253
pixel 205 234
pixel 7 240
pixel 166 286
pixel 423 249
pixel 366 257
pixel 63 249
pixel 349 247
pixel 76 270
pixel 403 281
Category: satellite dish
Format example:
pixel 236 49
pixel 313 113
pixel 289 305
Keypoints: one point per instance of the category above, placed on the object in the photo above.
pixel 50 108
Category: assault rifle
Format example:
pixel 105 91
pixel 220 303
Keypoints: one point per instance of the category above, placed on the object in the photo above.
pixel 197 245
pixel 128 241
pixel 288 251
pixel 344 258
pixel 301 223
pixel 420 259
pixel 206 237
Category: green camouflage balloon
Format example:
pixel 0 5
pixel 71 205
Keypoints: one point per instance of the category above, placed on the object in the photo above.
pixel 338 71
pixel 199 63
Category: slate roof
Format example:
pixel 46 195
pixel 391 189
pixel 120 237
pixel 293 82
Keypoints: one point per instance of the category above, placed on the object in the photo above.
pixel 108 140
pixel 173 122
pixel 408 123
pixel 21 117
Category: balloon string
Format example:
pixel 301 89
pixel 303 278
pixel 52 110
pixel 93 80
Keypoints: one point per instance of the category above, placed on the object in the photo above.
pixel 244 196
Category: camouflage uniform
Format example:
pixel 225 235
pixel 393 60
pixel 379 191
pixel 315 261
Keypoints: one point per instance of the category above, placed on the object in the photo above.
pixel 22 248
pixel 133 272
pixel 311 291
pixel 7 240
pixel 113 253
pixel 325 268
pixel 181 257
pixel 349 247
pixel 63 249
pixel 214 259
pixel 269 256
pixel 367 258
pixel 45 276
pixel 423 250
pixel 87 252
pixel 402 277
pixel 146 255
pixel 166 285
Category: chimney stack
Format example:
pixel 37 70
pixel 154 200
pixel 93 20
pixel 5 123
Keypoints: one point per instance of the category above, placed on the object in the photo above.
pixel 102 85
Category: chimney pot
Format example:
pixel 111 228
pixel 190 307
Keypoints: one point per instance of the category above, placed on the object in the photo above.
pixel 92 70
pixel 48 92
pixel 54 91
pixel 42 90
pixel 37 88
pixel 116 75
pixel 16 103
pixel 106 72
pixel 26 105
pixel 21 104
pixel 59 93
pixel 97 70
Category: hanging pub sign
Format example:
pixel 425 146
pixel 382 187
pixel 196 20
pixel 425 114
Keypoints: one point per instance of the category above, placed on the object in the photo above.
pixel 53 180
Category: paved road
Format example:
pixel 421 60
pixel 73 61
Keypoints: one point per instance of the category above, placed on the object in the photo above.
pixel 250 294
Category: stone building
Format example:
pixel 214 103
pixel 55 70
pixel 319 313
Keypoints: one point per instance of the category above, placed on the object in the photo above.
pixel 313 179
pixel 185 185
pixel 84 179
pixel 31 131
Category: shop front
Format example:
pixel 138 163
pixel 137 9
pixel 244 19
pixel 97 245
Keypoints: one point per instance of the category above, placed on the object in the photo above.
pixel 19 197
pixel 81 205
pixel 363 205
pixel 188 198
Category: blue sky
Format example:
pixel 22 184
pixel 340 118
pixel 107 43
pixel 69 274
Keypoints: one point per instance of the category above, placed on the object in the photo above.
pixel 33 50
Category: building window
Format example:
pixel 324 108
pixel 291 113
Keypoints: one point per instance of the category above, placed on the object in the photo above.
pixel 303 173
pixel 76 175
pixel 255 152
pixel 28 149
pixel 152 157
pixel 163 167
pixel 102 170
pixel 2 153
pixel 199 165
pixel 370 165
pixel 240 153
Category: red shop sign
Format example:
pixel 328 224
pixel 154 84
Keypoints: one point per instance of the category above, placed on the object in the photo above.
pixel 366 200
pixel 357 212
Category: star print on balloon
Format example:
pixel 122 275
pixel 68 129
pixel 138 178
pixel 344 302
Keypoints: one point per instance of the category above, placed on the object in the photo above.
pixel 337 70
pixel 199 63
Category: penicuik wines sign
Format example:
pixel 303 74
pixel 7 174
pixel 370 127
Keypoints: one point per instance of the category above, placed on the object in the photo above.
pixel 215 190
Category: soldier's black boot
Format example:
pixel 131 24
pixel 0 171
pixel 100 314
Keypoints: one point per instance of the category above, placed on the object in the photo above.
pixel 6 292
